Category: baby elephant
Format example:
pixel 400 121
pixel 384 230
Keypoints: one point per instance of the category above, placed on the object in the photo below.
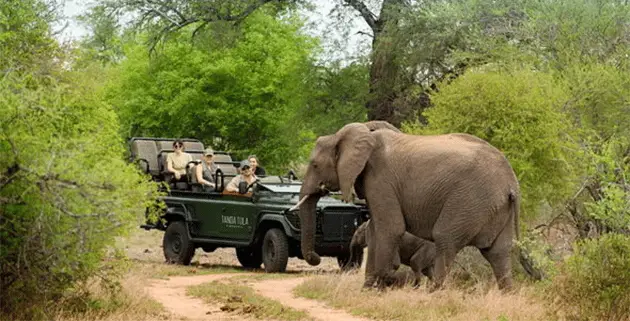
pixel 414 252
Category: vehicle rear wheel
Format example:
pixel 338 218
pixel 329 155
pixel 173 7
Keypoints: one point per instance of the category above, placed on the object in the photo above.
pixel 249 258
pixel 177 245
pixel 345 264
pixel 275 251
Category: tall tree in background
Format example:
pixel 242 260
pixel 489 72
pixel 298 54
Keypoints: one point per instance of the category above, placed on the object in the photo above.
pixel 162 18
pixel 384 67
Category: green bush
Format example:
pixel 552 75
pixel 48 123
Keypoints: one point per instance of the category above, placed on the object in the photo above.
pixel 594 283
pixel 519 112
pixel 66 190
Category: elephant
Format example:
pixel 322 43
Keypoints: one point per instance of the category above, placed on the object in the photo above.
pixel 454 190
pixel 414 251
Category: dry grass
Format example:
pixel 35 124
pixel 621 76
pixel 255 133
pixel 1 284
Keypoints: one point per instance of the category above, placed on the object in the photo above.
pixel 417 304
pixel 129 303
pixel 243 300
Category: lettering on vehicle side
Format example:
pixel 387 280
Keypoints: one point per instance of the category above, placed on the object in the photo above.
pixel 234 221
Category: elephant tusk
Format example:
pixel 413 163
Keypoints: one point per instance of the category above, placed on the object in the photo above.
pixel 297 206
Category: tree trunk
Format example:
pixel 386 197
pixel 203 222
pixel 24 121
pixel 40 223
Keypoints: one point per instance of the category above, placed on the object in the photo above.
pixel 384 69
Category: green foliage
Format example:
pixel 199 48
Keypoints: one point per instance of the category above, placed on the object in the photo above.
pixel 519 112
pixel 66 190
pixel 25 35
pixel 241 97
pixel 607 170
pixel 104 42
pixel 337 96
pixel 593 282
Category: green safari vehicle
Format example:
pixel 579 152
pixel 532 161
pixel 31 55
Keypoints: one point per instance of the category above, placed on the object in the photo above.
pixel 257 223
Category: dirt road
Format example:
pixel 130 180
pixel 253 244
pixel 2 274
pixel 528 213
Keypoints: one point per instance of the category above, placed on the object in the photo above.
pixel 171 292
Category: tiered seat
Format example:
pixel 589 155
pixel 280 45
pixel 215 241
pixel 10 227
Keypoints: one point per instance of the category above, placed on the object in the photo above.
pixel 152 154
pixel 146 152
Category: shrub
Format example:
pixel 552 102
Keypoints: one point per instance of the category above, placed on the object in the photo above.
pixel 519 112
pixel 66 191
pixel 594 283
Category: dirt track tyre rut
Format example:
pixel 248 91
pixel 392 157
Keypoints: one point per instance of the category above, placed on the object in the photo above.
pixel 275 251
pixel 177 246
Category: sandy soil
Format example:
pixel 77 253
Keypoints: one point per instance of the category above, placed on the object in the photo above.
pixel 171 292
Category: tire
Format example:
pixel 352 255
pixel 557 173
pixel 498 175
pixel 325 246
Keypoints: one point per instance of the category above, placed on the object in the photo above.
pixel 345 264
pixel 275 251
pixel 176 244
pixel 249 258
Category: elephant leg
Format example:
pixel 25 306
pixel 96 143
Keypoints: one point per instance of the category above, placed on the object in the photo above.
pixel 370 277
pixel 428 272
pixel 386 232
pixel 422 260
pixel 498 255
pixel 444 259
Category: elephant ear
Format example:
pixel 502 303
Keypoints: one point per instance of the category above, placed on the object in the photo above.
pixel 354 148
pixel 380 124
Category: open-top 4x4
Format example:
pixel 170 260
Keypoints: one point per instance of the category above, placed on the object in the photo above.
pixel 258 224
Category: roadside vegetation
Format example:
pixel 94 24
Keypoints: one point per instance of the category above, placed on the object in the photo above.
pixel 547 82
pixel 407 303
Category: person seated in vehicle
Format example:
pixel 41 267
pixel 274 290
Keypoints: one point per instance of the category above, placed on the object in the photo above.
pixel 246 175
pixel 255 165
pixel 205 170
pixel 177 161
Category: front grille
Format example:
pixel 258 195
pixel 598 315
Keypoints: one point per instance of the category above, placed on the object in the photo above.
pixel 294 220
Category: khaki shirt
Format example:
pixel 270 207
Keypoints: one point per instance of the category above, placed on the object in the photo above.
pixel 179 162
pixel 232 186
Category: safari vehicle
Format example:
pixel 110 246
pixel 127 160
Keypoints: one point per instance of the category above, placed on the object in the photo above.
pixel 258 223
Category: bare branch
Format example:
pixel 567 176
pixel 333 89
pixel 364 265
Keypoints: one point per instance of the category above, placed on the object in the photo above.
pixel 367 15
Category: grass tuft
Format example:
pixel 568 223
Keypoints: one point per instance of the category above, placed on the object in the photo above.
pixel 404 304
pixel 242 299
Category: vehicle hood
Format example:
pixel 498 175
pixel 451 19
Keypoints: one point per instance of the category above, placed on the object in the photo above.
pixel 288 192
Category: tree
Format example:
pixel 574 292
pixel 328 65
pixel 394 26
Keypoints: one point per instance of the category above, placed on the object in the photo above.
pixel 239 96
pixel 66 191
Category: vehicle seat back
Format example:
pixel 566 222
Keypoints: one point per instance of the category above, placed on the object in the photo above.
pixel 225 163
pixel 147 150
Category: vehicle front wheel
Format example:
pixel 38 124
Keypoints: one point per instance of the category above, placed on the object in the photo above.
pixel 249 258
pixel 177 245
pixel 275 251
pixel 346 265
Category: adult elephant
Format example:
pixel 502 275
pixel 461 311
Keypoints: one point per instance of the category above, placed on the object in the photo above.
pixel 454 190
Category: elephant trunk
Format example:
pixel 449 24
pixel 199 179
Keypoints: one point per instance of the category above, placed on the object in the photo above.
pixel 308 224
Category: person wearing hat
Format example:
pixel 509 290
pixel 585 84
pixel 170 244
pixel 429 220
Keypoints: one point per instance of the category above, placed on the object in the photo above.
pixel 205 170
pixel 246 175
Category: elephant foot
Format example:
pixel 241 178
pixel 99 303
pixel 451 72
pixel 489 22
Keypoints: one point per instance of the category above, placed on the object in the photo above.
pixel 435 287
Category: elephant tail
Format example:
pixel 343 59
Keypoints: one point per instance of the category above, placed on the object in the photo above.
pixel 515 204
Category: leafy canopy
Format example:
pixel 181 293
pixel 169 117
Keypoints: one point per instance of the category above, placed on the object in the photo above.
pixel 241 97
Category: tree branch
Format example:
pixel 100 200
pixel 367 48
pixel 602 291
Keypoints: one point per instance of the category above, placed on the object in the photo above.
pixel 367 15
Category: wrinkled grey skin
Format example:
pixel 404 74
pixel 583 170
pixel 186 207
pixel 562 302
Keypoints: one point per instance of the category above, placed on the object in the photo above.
pixel 454 190
pixel 414 251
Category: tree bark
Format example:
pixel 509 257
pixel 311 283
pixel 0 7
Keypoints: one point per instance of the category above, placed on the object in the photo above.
pixel 384 69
